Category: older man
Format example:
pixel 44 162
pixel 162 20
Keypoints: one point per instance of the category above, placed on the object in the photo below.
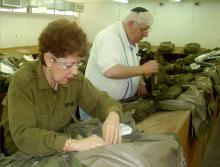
pixel 113 65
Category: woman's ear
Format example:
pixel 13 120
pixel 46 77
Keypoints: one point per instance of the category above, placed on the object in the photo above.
pixel 48 59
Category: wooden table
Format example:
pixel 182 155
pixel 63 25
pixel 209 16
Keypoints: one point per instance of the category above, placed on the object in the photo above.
pixel 23 50
pixel 178 122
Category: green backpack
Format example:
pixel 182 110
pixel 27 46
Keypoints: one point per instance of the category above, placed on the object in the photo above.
pixel 166 47
pixel 192 48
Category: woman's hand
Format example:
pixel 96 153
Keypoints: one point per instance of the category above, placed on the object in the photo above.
pixel 110 132
pixel 83 144
pixel 110 128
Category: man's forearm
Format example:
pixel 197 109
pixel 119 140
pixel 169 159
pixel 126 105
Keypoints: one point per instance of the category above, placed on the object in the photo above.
pixel 122 72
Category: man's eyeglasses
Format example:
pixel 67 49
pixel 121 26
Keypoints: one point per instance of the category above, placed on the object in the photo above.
pixel 145 29
pixel 64 66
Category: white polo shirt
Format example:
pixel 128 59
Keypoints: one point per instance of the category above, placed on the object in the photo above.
pixel 111 47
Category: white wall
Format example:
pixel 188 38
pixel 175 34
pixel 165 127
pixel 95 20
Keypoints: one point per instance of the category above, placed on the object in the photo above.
pixel 179 23
pixel 21 29
pixel 98 15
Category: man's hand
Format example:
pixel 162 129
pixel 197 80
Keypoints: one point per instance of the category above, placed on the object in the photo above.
pixel 150 67
pixel 110 128
pixel 142 90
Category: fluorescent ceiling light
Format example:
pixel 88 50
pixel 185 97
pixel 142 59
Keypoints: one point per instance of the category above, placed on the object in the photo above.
pixel 177 0
pixel 122 1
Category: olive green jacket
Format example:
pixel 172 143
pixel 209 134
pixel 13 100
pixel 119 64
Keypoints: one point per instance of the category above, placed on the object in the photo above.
pixel 37 113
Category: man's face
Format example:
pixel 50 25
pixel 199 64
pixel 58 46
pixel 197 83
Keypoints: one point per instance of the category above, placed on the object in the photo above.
pixel 138 31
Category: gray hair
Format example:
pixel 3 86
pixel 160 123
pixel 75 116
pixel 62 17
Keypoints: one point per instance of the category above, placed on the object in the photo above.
pixel 139 17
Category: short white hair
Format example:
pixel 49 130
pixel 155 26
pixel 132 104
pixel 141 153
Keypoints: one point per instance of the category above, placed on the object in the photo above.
pixel 139 17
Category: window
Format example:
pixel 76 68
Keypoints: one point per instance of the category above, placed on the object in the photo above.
pixel 50 7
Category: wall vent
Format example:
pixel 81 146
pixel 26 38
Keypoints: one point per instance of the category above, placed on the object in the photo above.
pixel 12 3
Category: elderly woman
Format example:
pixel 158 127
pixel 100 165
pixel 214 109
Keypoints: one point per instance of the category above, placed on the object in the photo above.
pixel 44 94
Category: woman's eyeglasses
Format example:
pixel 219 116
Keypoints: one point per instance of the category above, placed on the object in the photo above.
pixel 63 65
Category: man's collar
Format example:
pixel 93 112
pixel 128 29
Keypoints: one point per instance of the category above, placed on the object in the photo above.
pixel 124 35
